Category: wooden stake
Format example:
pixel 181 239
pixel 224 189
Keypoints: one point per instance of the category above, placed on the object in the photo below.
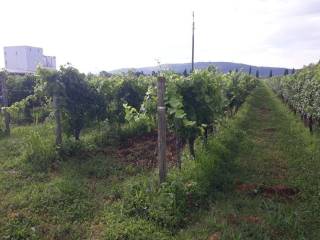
pixel 161 129
pixel 57 116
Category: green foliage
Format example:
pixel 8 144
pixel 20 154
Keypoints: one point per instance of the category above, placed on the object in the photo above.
pixel 72 147
pixel 168 205
pixel 19 87
pixel 300 90
pixel 118 90
pixel 137 123
pixel 238 87
pixel 25 105
pixel 132 92
pixel 81 102
pixel 197 103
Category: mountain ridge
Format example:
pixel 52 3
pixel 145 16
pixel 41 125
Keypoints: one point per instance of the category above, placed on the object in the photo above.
pixel 264 71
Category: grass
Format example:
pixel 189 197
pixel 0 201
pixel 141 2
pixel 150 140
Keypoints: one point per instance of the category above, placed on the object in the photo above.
pixel 98 196
pixel 278 150
pixel 58 204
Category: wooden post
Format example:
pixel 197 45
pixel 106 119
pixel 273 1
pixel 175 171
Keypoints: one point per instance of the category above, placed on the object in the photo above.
pixel 161 129
pixel 57 116
pixel 178 147
pixel 3 79
pixel 310 124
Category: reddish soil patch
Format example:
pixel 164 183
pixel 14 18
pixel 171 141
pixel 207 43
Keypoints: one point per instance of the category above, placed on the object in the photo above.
pixel 233 219
pixel 142 150
pixel 252 219
pixel 247 187
pixel 236 220
pixel 269 192
pixel 269 130
pixel 265 109
pixel 279 190
pixel 264 112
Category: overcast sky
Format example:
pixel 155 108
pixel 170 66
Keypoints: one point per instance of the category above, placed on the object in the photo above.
pixel 97 35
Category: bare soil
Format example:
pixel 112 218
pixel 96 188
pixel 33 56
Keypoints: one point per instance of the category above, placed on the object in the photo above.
pixel 142 151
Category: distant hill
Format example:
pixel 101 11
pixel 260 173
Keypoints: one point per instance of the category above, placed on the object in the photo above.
pixel 222 66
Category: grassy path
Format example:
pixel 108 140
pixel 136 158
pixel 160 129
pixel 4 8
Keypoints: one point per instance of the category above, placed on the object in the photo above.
pixel 276 189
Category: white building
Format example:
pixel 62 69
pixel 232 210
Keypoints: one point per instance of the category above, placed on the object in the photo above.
pixel 25 59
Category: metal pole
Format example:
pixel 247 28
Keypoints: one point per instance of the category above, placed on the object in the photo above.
pixel 192 61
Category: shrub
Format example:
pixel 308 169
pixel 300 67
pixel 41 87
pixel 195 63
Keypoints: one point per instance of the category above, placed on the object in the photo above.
pixel 168 205
pixel 72 147
pixel 137 123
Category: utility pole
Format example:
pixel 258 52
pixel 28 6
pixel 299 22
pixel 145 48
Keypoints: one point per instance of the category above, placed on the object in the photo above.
pixel 192 61
pixel 3 79
pixel 161 129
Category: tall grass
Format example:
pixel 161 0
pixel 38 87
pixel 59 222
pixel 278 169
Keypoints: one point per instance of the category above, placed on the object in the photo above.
pixel 39 152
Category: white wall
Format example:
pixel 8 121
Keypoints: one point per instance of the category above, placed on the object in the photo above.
pixel 34 58
pixel 49 62
pixel 15 59
pixel 25 59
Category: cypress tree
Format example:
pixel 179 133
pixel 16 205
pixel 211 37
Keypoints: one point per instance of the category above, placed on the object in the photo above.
pixel 270 74
pixel 185 73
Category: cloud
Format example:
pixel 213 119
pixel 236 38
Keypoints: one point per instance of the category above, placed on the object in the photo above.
pixel 293 31
pixel 298 31
pixel 306 8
